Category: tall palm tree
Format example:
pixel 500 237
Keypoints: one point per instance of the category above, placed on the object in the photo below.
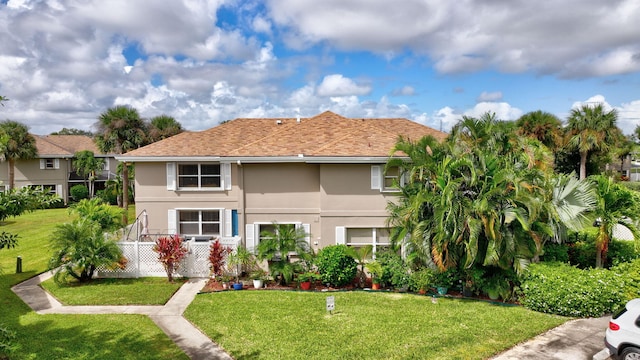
pixel 590 128
pixel 20 145
pixel 543 126
pixel 162 127
pixel 120 129
pixel 87 165
pixel 624 146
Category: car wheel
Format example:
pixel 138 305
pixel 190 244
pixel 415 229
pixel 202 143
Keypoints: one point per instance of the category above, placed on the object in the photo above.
pixel 630 353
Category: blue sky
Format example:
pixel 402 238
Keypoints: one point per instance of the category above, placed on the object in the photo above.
pixel 63 62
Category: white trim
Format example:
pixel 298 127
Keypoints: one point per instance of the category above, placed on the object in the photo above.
pixel 227 222
pixel 341 235
pixel 171 176
pixel 376 177
pixel 225 169
pixel 56 163
pixel 249 237
pixel 42 164
pixel 59 190
pixel 307 231
pixel 172 221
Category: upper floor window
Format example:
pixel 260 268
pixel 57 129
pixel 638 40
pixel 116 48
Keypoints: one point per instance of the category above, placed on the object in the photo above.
pixel 390 180
pixel 198 176
pixel 49 164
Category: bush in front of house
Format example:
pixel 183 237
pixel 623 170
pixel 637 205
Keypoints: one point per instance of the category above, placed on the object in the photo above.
pixel 558 288
pixel 630 273
pixel 335 266
pixel 395 272
pixel 556 252
pixel 79 192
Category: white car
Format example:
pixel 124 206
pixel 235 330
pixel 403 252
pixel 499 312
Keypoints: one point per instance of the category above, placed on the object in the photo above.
pixel 623 335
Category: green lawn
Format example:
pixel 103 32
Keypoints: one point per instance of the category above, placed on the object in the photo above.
pixel 142 291
pixel 365 325
pixel 68 336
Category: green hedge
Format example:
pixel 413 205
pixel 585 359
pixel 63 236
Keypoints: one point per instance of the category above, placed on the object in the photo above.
pixel 336 266
pixel 630 273
pixel 558 288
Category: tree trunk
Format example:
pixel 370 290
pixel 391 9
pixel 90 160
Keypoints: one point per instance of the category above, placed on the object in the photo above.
pixel 599 258
pixel 583 164
pixel 125 192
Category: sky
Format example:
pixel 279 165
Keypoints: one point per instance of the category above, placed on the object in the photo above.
pixel 63 63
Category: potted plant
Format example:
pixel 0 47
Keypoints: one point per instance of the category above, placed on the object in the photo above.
pixel 258 276
pixel 421 280
pixel 306 278
pixel 375 269
pixel 239 260
pixel 443 281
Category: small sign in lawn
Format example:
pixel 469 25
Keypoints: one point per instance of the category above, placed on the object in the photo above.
pixel 331 303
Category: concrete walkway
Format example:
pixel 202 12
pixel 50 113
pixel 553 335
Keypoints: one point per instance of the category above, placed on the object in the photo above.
pixel 581 339
pixel 168 317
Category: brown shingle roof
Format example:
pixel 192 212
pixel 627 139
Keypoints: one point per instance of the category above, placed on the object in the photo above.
pixel 64 145
pixel 324 135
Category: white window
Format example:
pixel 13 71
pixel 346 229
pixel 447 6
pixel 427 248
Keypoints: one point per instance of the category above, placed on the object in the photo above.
pixel 198 176
pixel 199 222
pixel 49 164
pixel 387 181
pixel 254 232
pixel 378 238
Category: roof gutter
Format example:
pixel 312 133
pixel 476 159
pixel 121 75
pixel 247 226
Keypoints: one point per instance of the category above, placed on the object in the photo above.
pixel 263 159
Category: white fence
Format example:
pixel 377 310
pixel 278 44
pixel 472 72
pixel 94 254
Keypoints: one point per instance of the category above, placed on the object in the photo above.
pixel 143 261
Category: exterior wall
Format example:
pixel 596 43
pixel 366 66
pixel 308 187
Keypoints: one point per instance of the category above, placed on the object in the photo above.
pixel 28 172
pixel 322 196
pixel 348 200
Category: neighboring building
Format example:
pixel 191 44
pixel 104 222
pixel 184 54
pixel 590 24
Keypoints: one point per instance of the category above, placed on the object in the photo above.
pixel 323 174
pixel 53 169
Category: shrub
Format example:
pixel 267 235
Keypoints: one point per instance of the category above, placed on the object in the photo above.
pixel 556 252
pixel 217 254
pixel 561 289
pixel 170 253
pixel 79 192
pixel 421 279
pixel 335 266
pixel 621 251
pixel 394 271
pixel 630 273
pixel 7 345
pixel 80 248
pixel 8 240
pixel 109 217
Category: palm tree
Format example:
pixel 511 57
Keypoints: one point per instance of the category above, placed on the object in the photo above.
pixel 162 127
pixel 277 246
pixel 616 205
pixel 120 129
pixel 624 147
pixel 590 128
pixel 87 165
pixel 20 145
pixel 543 126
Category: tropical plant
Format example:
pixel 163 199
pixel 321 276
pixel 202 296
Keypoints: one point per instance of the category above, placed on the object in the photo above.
pixel 15 202
pixel 171 251
pixel 7 342
pixel 20 145
pixel 542 126
pixel 616 205
pixel 108 217
pixel 421 280
pixel 484 197
pixel 591 128
pixel 80 248
pixel 278 246
pixel 162 127
pixel 361 254
pixel 120 129
pixel 240 261
pixel 375 269
pixel 87 166
pixel 217 256
pixel 8 240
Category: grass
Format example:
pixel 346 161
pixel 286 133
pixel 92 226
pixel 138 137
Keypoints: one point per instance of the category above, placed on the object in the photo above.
pixel 142 291
pixel 296 325
pixel 67 336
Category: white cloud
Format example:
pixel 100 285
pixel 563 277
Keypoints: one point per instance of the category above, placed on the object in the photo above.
pixel 489 96
pixel 338 85
pixel 404 91
pixel 447 117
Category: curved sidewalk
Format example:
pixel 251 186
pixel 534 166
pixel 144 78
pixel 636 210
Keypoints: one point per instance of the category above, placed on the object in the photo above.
pixel 168 317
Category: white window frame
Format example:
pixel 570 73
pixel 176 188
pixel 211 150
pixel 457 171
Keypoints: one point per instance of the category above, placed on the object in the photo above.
pixel 343 238
pixel 200 222
pixel 174 176
pixel 379 179
pixel 49 164
pixel 252 232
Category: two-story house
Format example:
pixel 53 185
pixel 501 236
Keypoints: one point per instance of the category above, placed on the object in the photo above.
pixel 53 168
pixel 323 173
